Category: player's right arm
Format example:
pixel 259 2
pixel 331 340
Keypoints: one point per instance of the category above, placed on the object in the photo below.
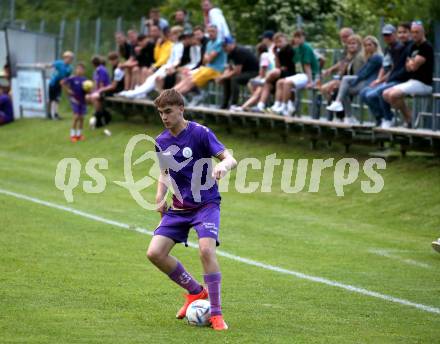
pixel 162 189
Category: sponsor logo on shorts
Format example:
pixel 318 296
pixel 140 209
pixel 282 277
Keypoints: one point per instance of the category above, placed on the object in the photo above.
pixel 211 227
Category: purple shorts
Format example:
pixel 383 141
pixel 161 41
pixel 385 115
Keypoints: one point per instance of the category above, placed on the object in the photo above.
pixel 79 108
pixel 175 224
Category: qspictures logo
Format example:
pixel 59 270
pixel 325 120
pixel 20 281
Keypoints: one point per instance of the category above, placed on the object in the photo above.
pixel 346 171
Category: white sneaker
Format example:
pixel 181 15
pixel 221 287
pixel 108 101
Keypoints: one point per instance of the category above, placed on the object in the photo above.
pixel 291 109
pixel 335 106
pixel 257 109
pixel 235 108
pixel 386 124
pixel 436 245
pixel 277 108
pixel 285 112
pixel 351 120
pixel 121 94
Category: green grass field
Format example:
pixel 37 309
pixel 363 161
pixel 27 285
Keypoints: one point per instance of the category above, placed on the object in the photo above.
pixel 65 278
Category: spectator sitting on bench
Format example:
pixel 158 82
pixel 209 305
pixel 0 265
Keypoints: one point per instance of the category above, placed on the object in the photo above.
pixel 214 64
pixel 6 109
pixel 144 55
pixel 353 62
pixel 344 35
pixel 353 84
pixel 128 51
pixel 255 85
pixel 173 60
pixel 285 66
pixel 124 48
pixel 420 65
pixel 191 58
pixel 305 58
pixel 244 67
pixel 393 72
pixel 102 116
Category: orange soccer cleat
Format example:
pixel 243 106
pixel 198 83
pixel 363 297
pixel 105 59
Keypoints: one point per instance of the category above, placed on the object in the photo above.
pixel 189 298
pixel 80 138
pixel 218 323
pixel 73 139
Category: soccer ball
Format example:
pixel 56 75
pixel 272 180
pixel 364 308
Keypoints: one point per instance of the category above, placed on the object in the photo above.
pixel 198 313
pixel 87 86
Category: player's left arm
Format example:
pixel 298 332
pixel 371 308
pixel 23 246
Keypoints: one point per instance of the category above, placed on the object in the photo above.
pixel 227 163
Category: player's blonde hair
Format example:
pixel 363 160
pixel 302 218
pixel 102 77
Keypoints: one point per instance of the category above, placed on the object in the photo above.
pixel 168 98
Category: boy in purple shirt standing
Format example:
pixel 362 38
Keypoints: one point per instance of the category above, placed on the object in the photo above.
pixel 101 78
pixel 77 97
pixel 185 150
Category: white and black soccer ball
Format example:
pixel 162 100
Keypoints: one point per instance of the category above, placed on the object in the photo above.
pixel 198 313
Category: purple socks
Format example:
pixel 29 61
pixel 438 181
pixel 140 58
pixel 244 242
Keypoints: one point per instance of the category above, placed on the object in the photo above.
pixel 185 280
pixel 213 282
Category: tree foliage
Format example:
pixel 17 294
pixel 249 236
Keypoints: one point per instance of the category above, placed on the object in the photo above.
pixel 249 18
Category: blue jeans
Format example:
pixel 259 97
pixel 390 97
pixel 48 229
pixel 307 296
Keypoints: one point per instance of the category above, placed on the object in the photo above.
pixel 372 96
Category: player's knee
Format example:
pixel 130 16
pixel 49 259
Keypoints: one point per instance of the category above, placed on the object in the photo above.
pixel 154 255
pixel 207 253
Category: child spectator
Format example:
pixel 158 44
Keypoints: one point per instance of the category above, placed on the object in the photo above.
pixel 77 96
pixel 285 66
pixel 305 59
pixel 267 64
pixel 100 75
pixel 214 64
pixel 353 84
pixel 244 67
pixel 6 108
pixel 420 65
pixel 62 69
pixel 102 116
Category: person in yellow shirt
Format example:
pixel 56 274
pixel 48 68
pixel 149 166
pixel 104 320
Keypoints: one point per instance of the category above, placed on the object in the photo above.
pixel 162 50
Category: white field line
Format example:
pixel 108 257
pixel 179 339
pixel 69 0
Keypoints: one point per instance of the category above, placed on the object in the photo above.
pixel 362 291
pixel 389 254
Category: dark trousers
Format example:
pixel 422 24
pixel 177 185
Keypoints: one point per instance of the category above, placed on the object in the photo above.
pixel 231 90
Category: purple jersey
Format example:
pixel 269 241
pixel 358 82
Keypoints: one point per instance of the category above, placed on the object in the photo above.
pixel 188 160
pixel 101 77
pixel 75 83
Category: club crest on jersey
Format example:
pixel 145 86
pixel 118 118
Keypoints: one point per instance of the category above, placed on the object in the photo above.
pixel 187 152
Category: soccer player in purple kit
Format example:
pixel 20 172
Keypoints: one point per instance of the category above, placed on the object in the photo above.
pixel 185 144
pixel 77 97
